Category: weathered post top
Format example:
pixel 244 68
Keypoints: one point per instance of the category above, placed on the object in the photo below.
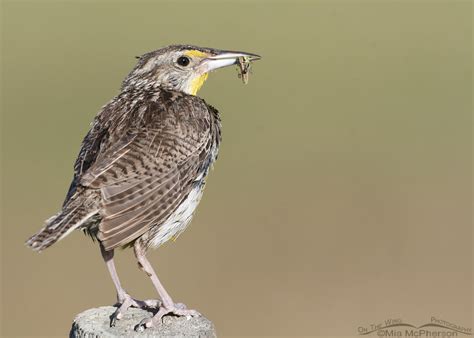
pixel 95 323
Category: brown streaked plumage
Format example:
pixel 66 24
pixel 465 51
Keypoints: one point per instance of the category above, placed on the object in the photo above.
pixel 142 166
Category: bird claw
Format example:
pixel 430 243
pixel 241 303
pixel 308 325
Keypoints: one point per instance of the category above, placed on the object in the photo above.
pixel 126 302
pixel 177 309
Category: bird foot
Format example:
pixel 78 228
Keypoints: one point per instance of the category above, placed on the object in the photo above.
pixel 126 301
pixel 177 309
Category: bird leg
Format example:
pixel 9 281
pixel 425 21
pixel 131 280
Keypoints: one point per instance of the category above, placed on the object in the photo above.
pixel 124 300
pixel 167 306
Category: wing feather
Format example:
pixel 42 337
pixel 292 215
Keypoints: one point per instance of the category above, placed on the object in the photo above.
pixel 145 174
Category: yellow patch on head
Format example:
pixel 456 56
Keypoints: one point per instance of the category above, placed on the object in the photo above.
pixel 197 83
pixel 196 53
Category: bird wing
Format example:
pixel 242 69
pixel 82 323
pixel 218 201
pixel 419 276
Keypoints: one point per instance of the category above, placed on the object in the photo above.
pixel 88 153
pixel 147 172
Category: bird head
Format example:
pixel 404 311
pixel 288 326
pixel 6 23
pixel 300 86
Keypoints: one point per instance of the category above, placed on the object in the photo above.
pixel 183 68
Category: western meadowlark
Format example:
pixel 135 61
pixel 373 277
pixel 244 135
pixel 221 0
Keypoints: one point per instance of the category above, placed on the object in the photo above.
pixel 142 166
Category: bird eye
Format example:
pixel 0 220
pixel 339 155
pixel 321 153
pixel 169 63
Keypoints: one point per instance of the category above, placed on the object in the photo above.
pixel 183 61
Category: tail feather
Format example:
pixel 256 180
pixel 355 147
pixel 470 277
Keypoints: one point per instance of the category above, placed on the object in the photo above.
pixel 59 226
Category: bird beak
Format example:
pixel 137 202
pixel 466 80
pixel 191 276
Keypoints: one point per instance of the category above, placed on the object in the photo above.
pixel 226 58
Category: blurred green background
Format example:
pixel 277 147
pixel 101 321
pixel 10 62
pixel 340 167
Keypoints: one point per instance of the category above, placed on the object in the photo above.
pixel 342 195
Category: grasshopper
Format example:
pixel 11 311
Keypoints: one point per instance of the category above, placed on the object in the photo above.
pixel 244 68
